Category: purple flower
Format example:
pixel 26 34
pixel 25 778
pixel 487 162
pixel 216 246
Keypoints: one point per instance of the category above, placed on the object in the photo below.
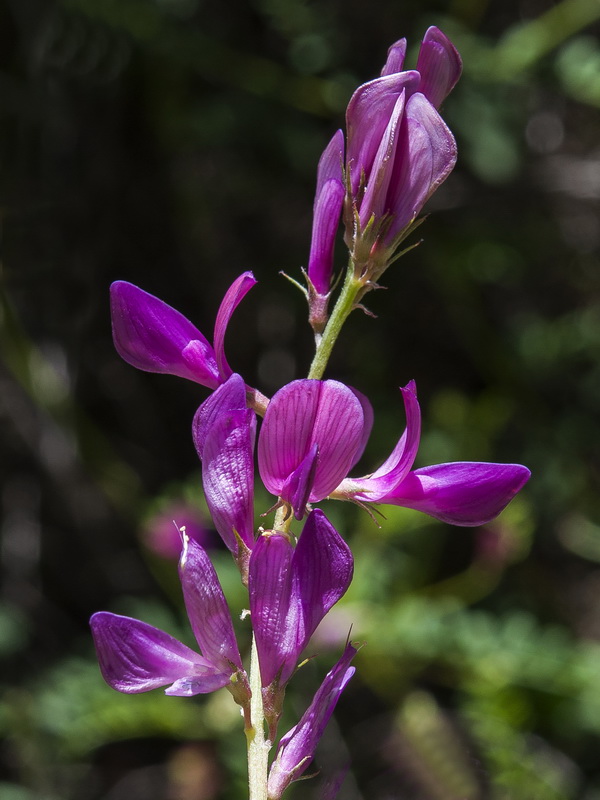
pixel 296 749
pixel 329 199
pixel 462 493
pixel 224 431
pixel 312 434
pixel 315 431
pixel 291 590
pixel 154 337
pixel 399 149
pixel 136 657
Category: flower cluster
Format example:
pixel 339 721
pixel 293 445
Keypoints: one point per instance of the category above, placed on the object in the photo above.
pixel 312 434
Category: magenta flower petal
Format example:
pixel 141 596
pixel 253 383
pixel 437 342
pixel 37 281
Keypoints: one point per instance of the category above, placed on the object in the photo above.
pixel 228 476
pixel 368 418
pixel 398 464
pixel 395 59
pixel 367 118
pixel 207 608
pixel 331 163
pixel 230 396
pixel 292 590
pixel 233 296
pixel 154 337
pixel 326 218
pixel 304 413
pixel 426 156
pixel 187 687
pixel 439 65
pixel 297 747
pixel 374 201
pixel 462 493
pixel 136 657
pixel 269 587
pixel 322 569
pixel 300 483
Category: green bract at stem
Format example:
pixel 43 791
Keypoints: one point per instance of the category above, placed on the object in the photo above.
pixel 258 745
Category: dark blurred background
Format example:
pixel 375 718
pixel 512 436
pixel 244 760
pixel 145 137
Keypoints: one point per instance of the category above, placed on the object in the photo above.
pixel 173 143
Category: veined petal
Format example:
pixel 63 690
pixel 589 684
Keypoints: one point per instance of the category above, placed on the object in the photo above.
pixel 426 156
pixel 233 296
pixel 230 396
pixel 322 569
pixel 439 65
pixel 297 747
pixel 368 417
pixel 154 337
pixel 395 58
pixel 326 218
pixel 462 493
pixel 398 464
pixel 136 657
pixel 338 431
pixel 291 590
pixel 367 117
pixel 228 475
pixel 304 413
pixel 187 687
pixel 375 196
pixel 207 608
pixel 269 587
pixel 298 486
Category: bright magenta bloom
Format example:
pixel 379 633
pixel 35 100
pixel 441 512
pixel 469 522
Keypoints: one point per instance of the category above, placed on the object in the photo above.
pixel 312 434
pixel 315 431
pixel 136 657
pixel 291 589
pixel 399 148
pixel 154 337
pixel 398 151
pixel 224 431
pixel 297 747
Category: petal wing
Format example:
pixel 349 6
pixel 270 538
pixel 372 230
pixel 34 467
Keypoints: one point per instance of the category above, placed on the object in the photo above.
pixel 462 493
pixel 154 337
pixel 233 297
pixel 426 156
pixel 395 468
pixel 322 569
pixel 207 608
pixel 136 657
pixel 367 117
pixel 269 587
pixel 439 65
pixel 228 475
pixel 230 396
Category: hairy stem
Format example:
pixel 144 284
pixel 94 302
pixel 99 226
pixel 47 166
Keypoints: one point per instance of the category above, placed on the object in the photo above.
pixel 343 307
pixel 258 745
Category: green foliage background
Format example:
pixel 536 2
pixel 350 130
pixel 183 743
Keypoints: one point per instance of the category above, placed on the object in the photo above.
pixel 173 143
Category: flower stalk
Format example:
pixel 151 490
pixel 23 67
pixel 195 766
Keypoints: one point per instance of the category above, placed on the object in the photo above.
pixel 258 745
pixel 344 306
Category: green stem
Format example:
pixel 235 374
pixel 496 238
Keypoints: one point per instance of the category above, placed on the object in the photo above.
pixel 258 746
pixel 343 307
